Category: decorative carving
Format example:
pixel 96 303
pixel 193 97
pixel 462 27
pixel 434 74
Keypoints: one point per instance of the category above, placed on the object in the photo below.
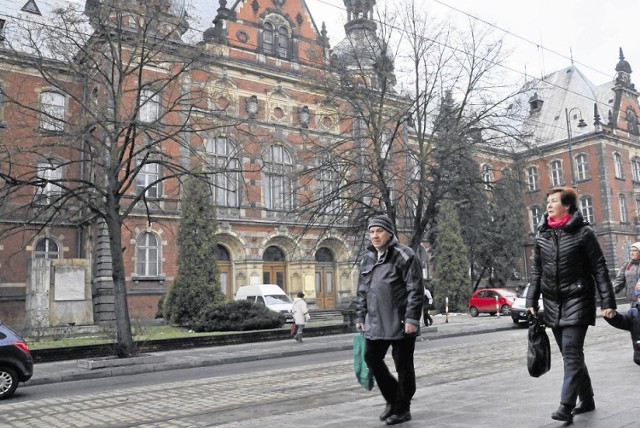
pixel 255 5
pixel 299 19
pixel 303 116
pixel 252 106
pixel 279 3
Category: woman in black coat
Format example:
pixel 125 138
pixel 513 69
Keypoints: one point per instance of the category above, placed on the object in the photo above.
pixel 568 267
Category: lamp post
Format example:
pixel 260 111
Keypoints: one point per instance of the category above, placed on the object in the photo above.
pixel 581 124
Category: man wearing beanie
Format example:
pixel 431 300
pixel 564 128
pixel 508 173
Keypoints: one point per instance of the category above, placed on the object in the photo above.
pixel 629 274
pixel 388 308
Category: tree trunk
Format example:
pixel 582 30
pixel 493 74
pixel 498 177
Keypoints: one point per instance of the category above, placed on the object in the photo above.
pixel 125 347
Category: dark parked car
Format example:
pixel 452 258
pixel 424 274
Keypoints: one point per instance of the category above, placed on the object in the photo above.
pixel 16 363
pixel 519 310
pixel 491 300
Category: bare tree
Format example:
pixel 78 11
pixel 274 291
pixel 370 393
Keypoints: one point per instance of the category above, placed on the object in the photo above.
pixel 117 120
pixel 422 103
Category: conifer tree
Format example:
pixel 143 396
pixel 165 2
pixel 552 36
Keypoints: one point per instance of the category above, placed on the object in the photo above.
pixel 451 264
pixel 197 284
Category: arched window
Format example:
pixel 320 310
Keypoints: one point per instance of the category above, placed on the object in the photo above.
pixel 225 169
pixel 533 179
pixel 276 37
pixel 617 164
pixel 52 108
pixel 278 192
pixel 324 255
pixel 273 254
pixel 622 202
pixel 327 185
pixel 582 167
pixel 148 255
pixel 283 42
pixel 556 173
pixel 586 208
pixel 268 38
pixel 46 248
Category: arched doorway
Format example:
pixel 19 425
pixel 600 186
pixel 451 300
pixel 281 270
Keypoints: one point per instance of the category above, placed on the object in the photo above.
pixel 223 259
pixel 273 268
pixel 325 279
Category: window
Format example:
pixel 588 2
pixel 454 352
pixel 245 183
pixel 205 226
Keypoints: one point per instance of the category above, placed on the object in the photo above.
pixel 2 24
pixel 622 202
pixel 52 107
pixel 148 255
pixel 533 179
pixel 149 106
pixel 147 180
pixel 225 170
pixel 535 214
pixel 556 173
pixel 635 169
pixel 632 121
pixel 385 146
pixel 487 176
pixel 277 184
pixel 617 164
pixel 276 39
pixel 2 124
pixel 586 208
pixel 48 174
pixel 283 42
pixel 582 167
pixel 267 38
pixel 637 211
pixel 327 189
pixel 46 248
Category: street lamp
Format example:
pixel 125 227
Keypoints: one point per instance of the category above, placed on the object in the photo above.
pixel 581 124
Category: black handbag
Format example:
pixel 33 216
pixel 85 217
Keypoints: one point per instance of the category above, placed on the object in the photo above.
pixel 539 348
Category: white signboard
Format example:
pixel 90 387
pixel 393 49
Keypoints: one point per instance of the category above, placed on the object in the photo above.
pixel 69 283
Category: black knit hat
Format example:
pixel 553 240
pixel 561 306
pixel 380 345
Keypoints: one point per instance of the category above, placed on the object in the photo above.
pixel 382 221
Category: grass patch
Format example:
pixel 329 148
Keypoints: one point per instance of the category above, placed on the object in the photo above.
pixel 155 332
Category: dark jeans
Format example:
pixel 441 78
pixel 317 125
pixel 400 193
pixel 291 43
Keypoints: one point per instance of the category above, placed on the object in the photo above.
pixel 427 317
pixel 398 392
pixel 576 382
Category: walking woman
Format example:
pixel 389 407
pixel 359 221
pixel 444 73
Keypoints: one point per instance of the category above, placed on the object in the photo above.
pixel 300 315
pixel 568 268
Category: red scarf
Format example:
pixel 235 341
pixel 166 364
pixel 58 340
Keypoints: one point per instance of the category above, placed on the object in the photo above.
pixel 558 223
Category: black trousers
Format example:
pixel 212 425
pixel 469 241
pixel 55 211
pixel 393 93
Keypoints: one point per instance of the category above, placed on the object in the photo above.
pixel 576 382
pixel 397 392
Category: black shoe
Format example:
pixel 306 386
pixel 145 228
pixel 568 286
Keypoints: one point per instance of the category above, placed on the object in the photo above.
pixel 398 418
pixel 563 414
pixel 585 406
pixel 386 413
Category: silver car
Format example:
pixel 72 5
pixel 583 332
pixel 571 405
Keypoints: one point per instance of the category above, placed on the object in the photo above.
pixel 519 309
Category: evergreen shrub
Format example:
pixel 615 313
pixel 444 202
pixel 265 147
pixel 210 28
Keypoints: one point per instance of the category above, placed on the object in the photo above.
pixel 240 315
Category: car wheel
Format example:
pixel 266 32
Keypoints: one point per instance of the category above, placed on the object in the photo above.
pixel 505 310
pixel 515 320
pixel 8 382
pixel 473 311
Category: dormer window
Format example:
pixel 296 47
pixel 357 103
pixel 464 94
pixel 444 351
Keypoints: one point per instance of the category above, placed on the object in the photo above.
pixel 535 103
pixel 276 37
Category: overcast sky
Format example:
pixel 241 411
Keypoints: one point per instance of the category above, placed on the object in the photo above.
pixel 593 30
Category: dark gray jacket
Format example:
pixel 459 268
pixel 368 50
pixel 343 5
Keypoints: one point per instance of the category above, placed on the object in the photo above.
pixel 390 291
pixel 568 267
pixel 626 279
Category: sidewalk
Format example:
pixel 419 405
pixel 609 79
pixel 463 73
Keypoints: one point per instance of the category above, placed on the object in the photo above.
pixel 62 371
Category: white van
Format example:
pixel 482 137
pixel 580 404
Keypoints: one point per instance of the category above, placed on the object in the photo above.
pixel 270 295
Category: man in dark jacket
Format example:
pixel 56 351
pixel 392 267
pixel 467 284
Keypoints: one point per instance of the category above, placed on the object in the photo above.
pixel 388 306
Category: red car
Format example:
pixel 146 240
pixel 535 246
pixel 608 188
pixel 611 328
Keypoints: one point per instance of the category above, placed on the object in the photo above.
pixel 491 300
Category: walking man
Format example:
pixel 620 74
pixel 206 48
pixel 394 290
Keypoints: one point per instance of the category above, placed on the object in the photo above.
pixel 389 306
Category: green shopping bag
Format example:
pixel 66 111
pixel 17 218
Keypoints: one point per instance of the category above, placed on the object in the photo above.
pixel 363 374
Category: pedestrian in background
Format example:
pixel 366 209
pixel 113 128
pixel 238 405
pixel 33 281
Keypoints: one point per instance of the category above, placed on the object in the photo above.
pixel 629 274
pixel 428 304
pixel 300 315
pixel 389 305
pixel 568 268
